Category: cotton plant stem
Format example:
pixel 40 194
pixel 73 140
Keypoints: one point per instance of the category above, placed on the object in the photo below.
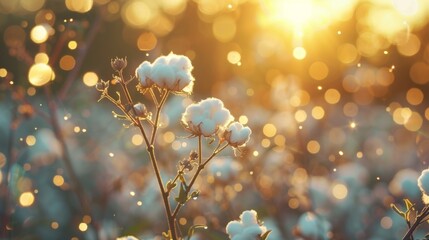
pixel 197 173
pixel 200 150
pixel 419 219
pixel 130 102
pixel 158 112
pixel 77 186
pixel 164 193
pixel 151 150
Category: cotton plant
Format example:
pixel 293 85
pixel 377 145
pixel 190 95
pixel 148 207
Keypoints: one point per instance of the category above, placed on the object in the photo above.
pixel 207 120
pixel 247 228
pixel 312 226
pixel 414 217
pixel 224 169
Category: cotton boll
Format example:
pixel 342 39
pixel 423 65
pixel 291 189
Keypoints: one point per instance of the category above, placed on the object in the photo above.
pixel 143 72
pixel 223 117
pixel 249 218
pixel 206 117
pixel 208 127
pixel 127 238
pixel 183 80
pixel 311 226
pixel 163 60
pixel 423 182
pixel 188 88
pixel 163 76
pixel 247 228
pixel 237 135
pixel 172 72
pixel 224 168
pixel 234 228
pixel 181 62
pixel 252 231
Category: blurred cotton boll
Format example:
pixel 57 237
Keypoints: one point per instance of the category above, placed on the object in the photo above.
pixel 171 72
pixel 247 228
pixel 237 135
pixel 46 145
pixel 311 226
pixel 224 168
pixel 206 117
pixel 404 184
pixel 127 238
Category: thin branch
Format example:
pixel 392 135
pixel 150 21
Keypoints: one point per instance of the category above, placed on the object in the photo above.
pixel 197 173
pixel 78 189
pixel 158 112
pixel 420 217
pixel 83 51
pixel 155 100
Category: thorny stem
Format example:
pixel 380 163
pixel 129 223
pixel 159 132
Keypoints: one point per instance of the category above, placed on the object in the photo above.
pixel 197 173
pixel 66 157
pixel 419 219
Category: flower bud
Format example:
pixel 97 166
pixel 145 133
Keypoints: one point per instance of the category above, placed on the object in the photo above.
pixel 102 85
pixel 118 63
pixel 140 110
pixel 193 155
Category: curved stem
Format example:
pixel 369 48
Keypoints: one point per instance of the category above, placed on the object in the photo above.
pixel 164 193
pixel 197 173
pixel 130 102
pixel 158 112
pixel 151 150
pixel 419 219
pixel 77 186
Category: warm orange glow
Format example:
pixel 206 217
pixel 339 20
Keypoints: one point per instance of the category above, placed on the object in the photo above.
pixel 26 199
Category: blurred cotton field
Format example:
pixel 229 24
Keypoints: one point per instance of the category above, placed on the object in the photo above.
pixel 333 92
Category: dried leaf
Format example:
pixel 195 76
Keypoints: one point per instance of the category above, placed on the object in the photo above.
pixel 182 198
pixel 170 185
pixel 192 230
pixel 265 235
pixel 396 209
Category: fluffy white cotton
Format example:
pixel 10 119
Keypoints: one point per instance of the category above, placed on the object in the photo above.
pixel 224 168
pixel 127 238
pixel 237 135
pixel 247 228
pixel 172 72
pixel 206 117
pixel 143 74
pixel 423 182
pixel 313 227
